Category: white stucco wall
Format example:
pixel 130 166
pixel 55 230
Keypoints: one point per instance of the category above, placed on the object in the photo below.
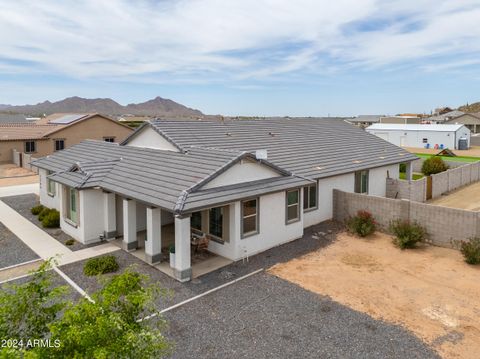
pixel 149 138
pixel 91 215
pixel 244 171
pixel 46 199
pixel 377 181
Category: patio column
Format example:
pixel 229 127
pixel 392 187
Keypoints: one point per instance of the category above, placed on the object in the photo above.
pixel 153 244
pixel 409 172
pixel 130 242
pixel 183 267
pixel 110 215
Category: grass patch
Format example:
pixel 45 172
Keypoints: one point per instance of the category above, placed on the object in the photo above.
pixel 415 176
pixel 466 159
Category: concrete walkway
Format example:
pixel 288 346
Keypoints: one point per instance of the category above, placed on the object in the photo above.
pixel 18 190
pixel 44 245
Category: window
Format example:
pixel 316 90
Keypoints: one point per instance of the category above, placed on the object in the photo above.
pixel 361 181
pixel 293 206
pixel 71 204
pixel 30 147
pixel 249 217
pixel 59 145
pixel 310 197
pixel 50 185
pixel 109 139
pixel 196 221
pixel 215 222
pixel 425 140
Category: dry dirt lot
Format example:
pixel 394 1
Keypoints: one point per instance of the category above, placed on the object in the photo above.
pixel 11 175
pixel 429 290
pixel 464 198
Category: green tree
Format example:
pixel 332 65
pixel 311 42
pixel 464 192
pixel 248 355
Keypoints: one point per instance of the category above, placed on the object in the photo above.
pixel 27 309
pixel 109 326
pixel 433 165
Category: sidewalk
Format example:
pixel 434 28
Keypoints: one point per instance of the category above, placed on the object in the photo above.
pixel 44 245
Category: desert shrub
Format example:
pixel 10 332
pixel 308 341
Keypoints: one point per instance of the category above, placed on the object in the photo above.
pixel 407 234
pixel 471 250
pixel 433 165
pixel 362 224
pixel 43 213
pixel 70 242
pixel 100 265
pixel 37 209
pixel 51 219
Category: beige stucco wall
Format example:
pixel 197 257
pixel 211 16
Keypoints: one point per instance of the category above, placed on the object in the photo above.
pixel 95 128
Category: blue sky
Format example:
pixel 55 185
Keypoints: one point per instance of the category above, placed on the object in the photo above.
pixel 262 57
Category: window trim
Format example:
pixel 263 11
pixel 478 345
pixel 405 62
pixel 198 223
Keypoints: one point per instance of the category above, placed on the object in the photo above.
pixel 49 181
pixel 34 146
pixel 309 209
pixel 55 144
pixel 257 219
pixel 298 204
pixel 67 203
pixel 360 185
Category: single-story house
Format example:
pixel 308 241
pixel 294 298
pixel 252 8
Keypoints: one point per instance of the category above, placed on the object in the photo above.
pixel 365 120
pixel 470 120
pixel 406 119
pixel 423 136
pixel 57 132
pixel 443 118
pixel 246 185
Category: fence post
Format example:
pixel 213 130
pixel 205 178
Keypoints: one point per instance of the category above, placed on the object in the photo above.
pixel 405 210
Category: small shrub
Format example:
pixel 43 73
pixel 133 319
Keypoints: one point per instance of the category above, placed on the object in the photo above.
pixel 171 249
pixel 433 165
pixel 70 242
pixel 471 250
pixel 43 213
pixel 362 224
pixel 51 219
pixel 407 234
pixel 100 265
pixel 37 209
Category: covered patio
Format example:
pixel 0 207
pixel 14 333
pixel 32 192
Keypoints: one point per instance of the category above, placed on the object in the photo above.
pixel 150 232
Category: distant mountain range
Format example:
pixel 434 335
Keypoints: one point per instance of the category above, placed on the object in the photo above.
pixel 156 107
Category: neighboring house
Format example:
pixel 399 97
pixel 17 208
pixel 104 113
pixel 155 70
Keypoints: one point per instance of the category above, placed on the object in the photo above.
pixel 442 118
pixel 56 132
pixel 12 118
pixel 442 111
pixel 470 120
pixel 247 185
pixel 365 120
pixel 423 136
pixel 405 119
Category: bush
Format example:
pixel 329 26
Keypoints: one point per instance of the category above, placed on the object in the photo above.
pixel 407 234
pixel 433 165
pixel 100 265
pixel 51 219
pixel 37 209
pixel 43 213
pixel 471 250
pixel 70 242
pixel 362 224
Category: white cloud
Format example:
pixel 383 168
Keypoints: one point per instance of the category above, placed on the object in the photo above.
pixel 214 39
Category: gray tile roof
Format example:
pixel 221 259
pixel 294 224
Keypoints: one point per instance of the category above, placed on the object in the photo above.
pixel 300 150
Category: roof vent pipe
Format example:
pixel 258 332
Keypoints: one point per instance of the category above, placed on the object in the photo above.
pixel 261 154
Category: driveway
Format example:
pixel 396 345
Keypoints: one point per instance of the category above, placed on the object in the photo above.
pixel 464 198
pixel 429 290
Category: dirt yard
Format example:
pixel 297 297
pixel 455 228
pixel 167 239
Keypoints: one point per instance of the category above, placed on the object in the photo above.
pixel 473 151
pixel 464 198
pixel 429 290
pixel 11 175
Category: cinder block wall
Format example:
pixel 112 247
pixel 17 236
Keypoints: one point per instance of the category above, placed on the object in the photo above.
pixel 442 224
pixel 402 189
pixel 454 178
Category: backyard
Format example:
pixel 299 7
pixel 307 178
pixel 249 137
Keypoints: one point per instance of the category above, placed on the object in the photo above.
pixel 429 290
pixel 11 175
pixel 467 197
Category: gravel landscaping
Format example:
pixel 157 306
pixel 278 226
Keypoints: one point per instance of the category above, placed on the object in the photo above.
pixel 181 291
pixel 12 249
pixel 23 204
pixel 267 317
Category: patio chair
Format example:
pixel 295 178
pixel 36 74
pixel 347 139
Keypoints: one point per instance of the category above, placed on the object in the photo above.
pixel 200 242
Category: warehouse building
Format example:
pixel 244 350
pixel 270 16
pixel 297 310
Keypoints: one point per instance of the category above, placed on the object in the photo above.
pixel 453 136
